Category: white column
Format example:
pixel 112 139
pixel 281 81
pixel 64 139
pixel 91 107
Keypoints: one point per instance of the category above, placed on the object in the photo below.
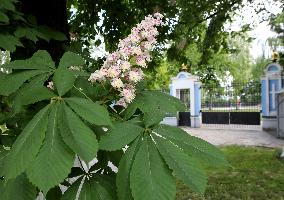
pixel 273 95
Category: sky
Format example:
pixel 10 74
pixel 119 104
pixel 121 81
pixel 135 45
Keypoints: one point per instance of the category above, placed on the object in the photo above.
pixel 261 30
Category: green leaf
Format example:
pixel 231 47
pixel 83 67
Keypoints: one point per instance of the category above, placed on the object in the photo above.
pixel 71 192
pixel 64 80
pixel 70 59
pixel 25 32
pixel 152 102
pixel 4 18
pixel 123 174
pixel 47 33
pixel 54 157
pixel 79 137
pixel 108 183
pixel 149 119
pixel 90 111
pixel 3 155
pixel 40 60
pixel 96 188
pixel 36 94
pixel 150 173
pixel 119 136
pixel 27 145
pixel 93 190
pixel 12 82
pixel 193 146
pixel 18 189
pixel 54 193
pixel 9 42
pixel 7 4
pixel 185 167
pixel 33 83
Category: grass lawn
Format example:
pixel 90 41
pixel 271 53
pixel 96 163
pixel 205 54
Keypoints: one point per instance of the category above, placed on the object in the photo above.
pixel 256 174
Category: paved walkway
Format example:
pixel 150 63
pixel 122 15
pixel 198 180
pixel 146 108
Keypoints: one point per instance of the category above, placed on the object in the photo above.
pixel 247 137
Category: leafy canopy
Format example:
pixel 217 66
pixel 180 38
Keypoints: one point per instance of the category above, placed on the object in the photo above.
pixel 55 117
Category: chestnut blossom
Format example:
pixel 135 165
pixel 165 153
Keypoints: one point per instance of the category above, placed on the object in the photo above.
pixel 128 93
pixel 121 67
pixel 146 45
pixel 125 66
pixel 50 85
pixel 117 83
pixel 98 75
pixel 140 61
pixel 113 71
pixel 136 75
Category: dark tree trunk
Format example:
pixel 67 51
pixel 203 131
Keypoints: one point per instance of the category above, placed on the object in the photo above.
pixel 52 13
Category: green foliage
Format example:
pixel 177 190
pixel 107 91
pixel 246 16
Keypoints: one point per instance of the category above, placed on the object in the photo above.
pixel 18 189
pixel 69 123
pixel 53 150
pixel 63 80
pixel 42 93
pixel 27 145
pixel 15 28
pixel 84 144
pixel 90 111
pixel 124 168
pixel 193 146
pixel 185 167
pixel 47 128
pixel 151 175
pixel 41 60
pixel 154 103
pixel 15 80
pixel 96 188
pixel 9 42
pixel 120 135
pixel 71 59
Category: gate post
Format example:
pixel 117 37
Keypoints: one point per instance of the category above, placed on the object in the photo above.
pixel 195 115
pixel 185 81
pixel 271 83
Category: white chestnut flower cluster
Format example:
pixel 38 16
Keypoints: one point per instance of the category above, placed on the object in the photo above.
pixel 122 68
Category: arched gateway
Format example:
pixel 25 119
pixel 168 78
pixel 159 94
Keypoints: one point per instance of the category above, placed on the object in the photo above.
pixel 186 87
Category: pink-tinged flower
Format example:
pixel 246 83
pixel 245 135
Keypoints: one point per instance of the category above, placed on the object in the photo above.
pixel 135 75
pixel 140 61
pixel 135 30
pixel 121 102
pixel 146 45
pixel 137 51
pixel 50 85
pixel 134 38
pixel 113 57
pixel 147 56
pixel 128 93
pixel 125 51
pixel 117 83
pixel 113 71
pixel 152 40
pixel 135 47
pixel 158 15
pixel 98 75
pixel 125 66
pixel 144 34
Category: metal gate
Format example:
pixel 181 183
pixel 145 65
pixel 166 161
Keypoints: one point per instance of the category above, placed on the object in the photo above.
pixel 280 115
pixel 232 104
